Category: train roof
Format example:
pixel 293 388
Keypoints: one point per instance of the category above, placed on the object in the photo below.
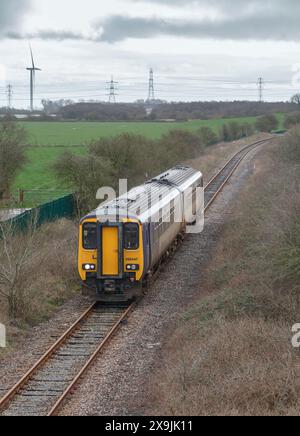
pixel 161 189
pixel 175 176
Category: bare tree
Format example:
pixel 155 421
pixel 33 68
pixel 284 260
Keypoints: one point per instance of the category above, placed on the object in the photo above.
pixel 12 154
pixel 296 99
pixel 17 253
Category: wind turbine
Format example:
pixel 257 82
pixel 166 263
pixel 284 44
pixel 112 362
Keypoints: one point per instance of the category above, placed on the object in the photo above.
pixel 32 70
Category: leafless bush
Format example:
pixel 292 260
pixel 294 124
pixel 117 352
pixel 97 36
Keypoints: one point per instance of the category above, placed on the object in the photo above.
pixel 267 123
pixel 37 268
pixel 234 131
pixel 179 145
pixel 131 157
pixel 207 136
pixel 241 367
pixel 291 119
pixel 17 253
pixel 12 154
pixel 86 174
pixel 290 146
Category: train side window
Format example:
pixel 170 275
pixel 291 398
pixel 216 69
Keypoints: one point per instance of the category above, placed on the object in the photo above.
pixel 131 236
pixel 194 201
pixel 90 236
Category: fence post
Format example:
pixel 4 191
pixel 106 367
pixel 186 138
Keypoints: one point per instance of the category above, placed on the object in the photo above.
pixel 21 196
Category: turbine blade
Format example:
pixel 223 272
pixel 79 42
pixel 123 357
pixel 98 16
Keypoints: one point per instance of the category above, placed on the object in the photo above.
pixel 32 60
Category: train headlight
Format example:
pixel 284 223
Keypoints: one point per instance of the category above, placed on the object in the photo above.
pixel 132 267
pixel 89 267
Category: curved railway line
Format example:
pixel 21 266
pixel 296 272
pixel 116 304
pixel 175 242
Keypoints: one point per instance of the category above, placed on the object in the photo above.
pixel 215 186
pixel 44 388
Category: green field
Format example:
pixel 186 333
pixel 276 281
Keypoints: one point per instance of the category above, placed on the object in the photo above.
pixel 50 139
pixel 37 173
pixel 79 133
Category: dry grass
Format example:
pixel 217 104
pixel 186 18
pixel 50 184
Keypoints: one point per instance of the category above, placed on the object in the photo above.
pixel 231 354
pixel 47 278
pixel 240 367
pixel 215 156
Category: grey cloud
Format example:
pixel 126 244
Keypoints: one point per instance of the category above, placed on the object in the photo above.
pixel 226 4
pixel 267 24
pixel 11 14
pixel 47 35
pixel 238 20
pixel 236 8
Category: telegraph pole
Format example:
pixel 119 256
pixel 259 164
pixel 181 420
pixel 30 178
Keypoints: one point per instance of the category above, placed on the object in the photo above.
pixel 260 85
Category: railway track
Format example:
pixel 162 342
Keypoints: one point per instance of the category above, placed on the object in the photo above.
pixel 215 186
pixel 43 389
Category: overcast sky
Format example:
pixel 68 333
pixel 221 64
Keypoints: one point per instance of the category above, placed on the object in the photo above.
pixel 199 49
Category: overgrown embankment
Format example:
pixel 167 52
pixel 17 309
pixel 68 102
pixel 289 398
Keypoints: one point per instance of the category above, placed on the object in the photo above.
pixel 37 271
pixel 231 353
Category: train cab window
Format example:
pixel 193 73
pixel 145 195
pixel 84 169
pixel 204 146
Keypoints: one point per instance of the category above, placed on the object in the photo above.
pixel 131 236
pixel 90 236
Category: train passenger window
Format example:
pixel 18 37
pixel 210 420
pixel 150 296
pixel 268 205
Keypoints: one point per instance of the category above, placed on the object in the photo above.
pixel 90 236
pixel 131 236
pixel 194 201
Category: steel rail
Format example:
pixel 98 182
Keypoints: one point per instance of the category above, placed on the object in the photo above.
pixel 70 388
pixel 51 353
pixel 41 362
pixel 243 153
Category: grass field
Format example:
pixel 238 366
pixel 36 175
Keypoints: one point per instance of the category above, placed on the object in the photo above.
pixel 50 139
pixel 37 173
pixel 79 133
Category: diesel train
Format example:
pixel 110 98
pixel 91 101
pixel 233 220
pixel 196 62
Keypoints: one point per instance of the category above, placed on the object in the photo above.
pixel 122 242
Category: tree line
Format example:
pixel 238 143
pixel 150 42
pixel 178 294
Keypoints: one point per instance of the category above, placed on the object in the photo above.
pixel 167 111
pixel 96 111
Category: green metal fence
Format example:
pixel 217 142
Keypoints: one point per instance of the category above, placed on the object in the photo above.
pixel 64 207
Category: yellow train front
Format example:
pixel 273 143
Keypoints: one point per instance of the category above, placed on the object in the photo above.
pixel 122 242
pixel 111 259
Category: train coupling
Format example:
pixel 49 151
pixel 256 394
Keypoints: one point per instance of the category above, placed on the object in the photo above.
pixel 109 286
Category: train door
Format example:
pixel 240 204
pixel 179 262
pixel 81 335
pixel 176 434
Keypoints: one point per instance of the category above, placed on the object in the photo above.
pixel 110 251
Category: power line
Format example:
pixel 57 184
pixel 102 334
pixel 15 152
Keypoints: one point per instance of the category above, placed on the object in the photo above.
pixel 214 89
